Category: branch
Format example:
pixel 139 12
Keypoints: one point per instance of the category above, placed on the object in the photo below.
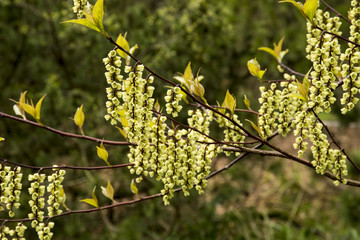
pixel 336 12
pixel 66 134
pixel 5 161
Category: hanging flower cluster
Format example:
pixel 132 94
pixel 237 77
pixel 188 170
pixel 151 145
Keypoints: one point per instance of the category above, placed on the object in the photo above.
pixel 54 189
pixel 176 157
pixel 350 69
pixel 324 52
pixel 17 234
pixel 10 188
pixel 81 6
pixel 173 97
pixel 232 133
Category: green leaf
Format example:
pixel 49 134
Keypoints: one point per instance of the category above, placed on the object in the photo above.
pixel 269 50
pixel 302 90
pixel 188 76
pixel 84 22
pixel 18 109
pixel 121 41
pixel 122 131
pixel 98 15
pixel 28 108
pixel 298 5
pixel 309 9
pixel 255 127
pixel 103 154
pixel 254 69
pixel 247 102
pixel 38 108
pixel 92 201
pixel 133 187
pixel 108 191
pixel 276 52
pixel 229 102
pixel 79 118
pixel 157 106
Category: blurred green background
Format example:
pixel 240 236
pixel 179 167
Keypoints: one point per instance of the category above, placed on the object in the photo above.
pixel 256 199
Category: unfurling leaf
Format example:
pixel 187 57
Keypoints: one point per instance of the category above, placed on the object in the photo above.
pixel 103 154
pixel 254 69
pixel 79 118
pixel 92 201
pixel 30 109
pixel 98 15
pixel 188 75
pixel 121 41
pixel 276 52
pixel 307 9
pixel 157 106
pixel 229 102
pixel 38 108
pixel 133 187
pixel 17 107
pixel 84 22
pixel 122 131
pixel 108 191
pixel 255 127
pixel 247 102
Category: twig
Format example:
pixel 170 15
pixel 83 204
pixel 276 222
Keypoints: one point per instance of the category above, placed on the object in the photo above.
pixel 65 134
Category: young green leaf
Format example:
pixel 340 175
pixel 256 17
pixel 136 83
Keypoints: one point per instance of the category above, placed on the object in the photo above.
pixel 247 102
pixel 229 102
pixel 92 201
pixel 79 118
pixel 157 106
pixel 255 127
pixel 38 109
pixel 255 69
pixel 63 199
pixel 309 9
pixel 98 14
pixel 188 76
pixel 122 131
pixel 17 107
pixel 108 191
pixel 103 154
pixel 133 187
pixel 84 22
pixel 269 50
pixel 2 139
pixel 121 41
pixel 276 52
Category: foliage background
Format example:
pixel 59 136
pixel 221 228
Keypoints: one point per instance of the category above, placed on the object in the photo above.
pixel 257 199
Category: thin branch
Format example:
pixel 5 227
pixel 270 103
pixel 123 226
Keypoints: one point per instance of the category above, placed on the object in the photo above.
pixel 5 161
pixel 336 12
pixel 291 70
pixel 65 134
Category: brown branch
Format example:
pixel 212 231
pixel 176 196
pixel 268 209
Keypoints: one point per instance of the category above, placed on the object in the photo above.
pixel 5 161
pixel 336 12
pixel 66 134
